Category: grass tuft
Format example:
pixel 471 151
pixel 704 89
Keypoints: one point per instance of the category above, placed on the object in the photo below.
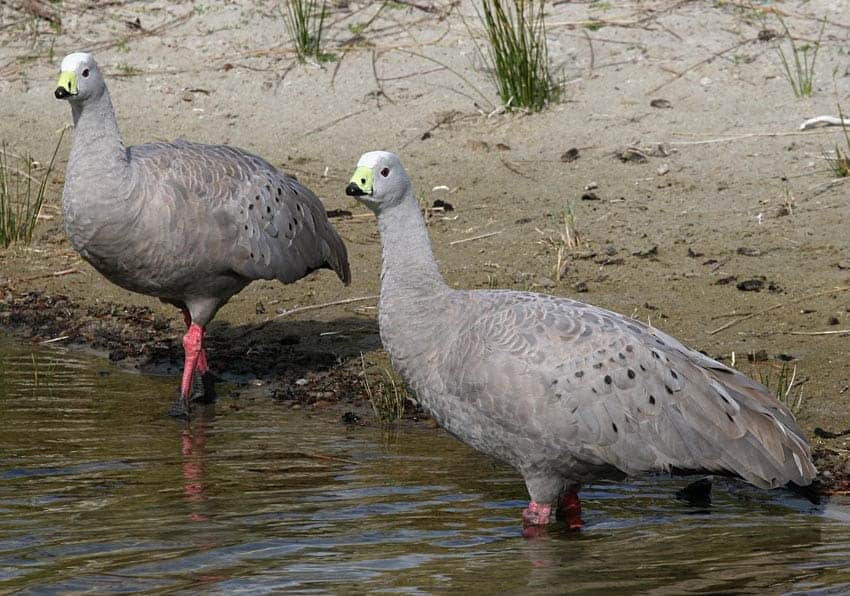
pixel 387 395
pixel 568 241
pixel 21 194
pixel 839 162
pixel 801 72
pixel 518 54
pixel 305 22
pixel 785 386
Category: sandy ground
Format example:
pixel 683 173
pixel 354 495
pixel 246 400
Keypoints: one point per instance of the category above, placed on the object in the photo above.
pixel 724 188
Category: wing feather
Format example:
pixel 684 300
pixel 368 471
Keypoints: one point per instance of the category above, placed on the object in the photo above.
pixel 628 395
pixel 276 227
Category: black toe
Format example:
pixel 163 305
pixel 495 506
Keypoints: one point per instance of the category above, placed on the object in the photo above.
pixel 179 409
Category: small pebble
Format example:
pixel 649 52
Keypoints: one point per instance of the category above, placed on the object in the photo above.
pixel 301 382
pixel 350 418
pixel 476 145
pixel 750 285
pixel 570 155
pixel 543 282
pixel 758 356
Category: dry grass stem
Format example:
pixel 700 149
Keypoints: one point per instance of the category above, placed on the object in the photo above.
pixel 780 305
pixel 22 195
pixel 387 397
pixel 480 237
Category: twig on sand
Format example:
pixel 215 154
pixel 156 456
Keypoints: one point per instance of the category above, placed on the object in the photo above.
pixel 700 63
pixel 55 339
pixel 830 332
pixel 176 21
pixel 54 274
pixel 422 7
pixel 744 318
pixel 21 173
pixel 41 10
pixel 824 121
pixel 333 122
pixel 738 137
pixel 825 186
pixel 482 236
pixel 593 22
pixel 514 169
pixel 443 119
pixel 592 53
pixel 291 311
pixel 730 314
pixel 780 305
pixel 380 90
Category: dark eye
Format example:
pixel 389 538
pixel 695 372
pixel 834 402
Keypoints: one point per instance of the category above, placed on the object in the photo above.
pixel 86 73
pixel 385 172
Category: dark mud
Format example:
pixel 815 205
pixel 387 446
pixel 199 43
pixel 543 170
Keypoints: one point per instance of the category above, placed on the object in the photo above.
pixel 307 364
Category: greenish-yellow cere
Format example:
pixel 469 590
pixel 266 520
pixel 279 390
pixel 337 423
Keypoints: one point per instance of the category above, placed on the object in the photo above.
pixel 68 81
pixel 362 177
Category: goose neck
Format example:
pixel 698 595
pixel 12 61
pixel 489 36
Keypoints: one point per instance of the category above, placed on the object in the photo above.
pixel 97 140
pixel 408 264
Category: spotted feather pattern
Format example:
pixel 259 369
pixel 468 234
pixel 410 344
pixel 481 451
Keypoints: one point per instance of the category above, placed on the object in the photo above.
pixel 564 391
pixel 568 389
pixel 193 224
pixel 280 227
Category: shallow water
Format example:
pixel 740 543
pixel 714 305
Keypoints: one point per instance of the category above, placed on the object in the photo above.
pixel 99 491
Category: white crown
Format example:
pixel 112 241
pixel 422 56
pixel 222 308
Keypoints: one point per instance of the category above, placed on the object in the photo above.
pixel 372 158
pixel 72 61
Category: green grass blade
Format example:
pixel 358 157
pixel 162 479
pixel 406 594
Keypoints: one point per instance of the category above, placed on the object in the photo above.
pixel 517 52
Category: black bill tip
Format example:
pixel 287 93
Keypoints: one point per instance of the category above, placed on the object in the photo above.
pixel 61 93
pixel 352 190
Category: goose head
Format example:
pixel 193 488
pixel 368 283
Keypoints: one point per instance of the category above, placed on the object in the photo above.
pixel 79 78
pixel 380 181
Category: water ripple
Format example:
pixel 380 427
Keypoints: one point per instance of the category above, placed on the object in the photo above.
pixel 100 492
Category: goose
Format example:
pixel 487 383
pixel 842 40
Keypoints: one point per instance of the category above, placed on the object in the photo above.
pixel 564 392
pixel 188 223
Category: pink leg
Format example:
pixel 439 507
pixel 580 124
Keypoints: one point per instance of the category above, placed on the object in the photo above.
pixel 202 366
pixel 193 343
pixel 535 517
pixel 570 507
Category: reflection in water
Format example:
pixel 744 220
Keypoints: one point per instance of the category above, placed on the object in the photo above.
pixel 100 491
pixel 194 452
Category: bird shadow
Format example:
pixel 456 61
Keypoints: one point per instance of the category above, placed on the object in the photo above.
pixel 281 350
